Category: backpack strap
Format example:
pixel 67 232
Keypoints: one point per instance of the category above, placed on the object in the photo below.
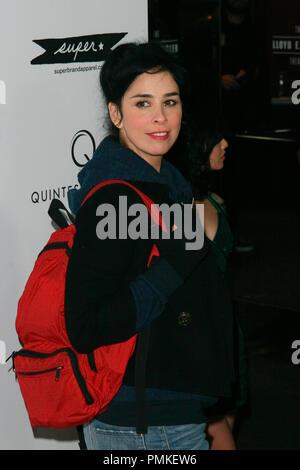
pixel 140 379
pixel 144 336
pixel 63 218
pixel 151 206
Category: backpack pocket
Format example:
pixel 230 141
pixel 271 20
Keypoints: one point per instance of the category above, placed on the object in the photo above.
pixel 52 386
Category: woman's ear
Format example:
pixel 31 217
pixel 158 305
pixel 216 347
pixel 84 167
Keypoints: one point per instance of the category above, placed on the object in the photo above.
pixel 115 115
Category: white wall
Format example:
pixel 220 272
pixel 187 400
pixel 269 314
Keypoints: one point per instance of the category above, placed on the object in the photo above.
pixel 41 111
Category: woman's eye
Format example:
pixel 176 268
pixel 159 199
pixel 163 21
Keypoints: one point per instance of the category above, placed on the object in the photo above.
pixel 170 103
pixel 142 104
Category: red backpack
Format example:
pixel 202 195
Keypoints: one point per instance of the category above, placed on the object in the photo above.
pixel 60 386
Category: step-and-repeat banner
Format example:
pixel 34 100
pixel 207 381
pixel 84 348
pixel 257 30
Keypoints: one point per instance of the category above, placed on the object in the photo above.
pixel 51 120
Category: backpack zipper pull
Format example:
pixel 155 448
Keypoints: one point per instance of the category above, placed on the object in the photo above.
pixel 57 375
pixel 12 357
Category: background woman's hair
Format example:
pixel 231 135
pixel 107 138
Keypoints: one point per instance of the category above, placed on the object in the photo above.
pixel 191 157
pixel 128 61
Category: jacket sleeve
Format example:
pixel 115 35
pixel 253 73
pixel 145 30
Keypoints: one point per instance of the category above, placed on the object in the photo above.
pixel 103 304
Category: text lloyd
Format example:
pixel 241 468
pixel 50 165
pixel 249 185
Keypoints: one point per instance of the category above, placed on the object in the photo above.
pixel 285 45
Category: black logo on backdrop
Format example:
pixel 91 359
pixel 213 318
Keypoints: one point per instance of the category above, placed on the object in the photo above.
pixel 82 147
pixel 92 48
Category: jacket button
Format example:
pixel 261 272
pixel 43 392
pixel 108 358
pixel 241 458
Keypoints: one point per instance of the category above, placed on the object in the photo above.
pixel 184 318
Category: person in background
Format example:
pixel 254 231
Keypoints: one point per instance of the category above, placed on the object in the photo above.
pixel 111 295
pixel 219 45
pixel 207 154
pixel 239 66
pixel 243 93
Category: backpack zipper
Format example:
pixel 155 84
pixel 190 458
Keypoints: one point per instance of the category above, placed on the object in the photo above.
pixel 92 362
pixel 53 369
pixel 74 364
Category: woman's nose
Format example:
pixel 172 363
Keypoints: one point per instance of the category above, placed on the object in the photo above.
pixel 159 114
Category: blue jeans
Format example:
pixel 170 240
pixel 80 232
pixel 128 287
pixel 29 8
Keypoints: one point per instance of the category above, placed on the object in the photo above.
pixel 102 436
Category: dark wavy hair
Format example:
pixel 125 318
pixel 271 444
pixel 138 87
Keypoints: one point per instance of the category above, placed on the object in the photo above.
pixel 196 168
pixel 127 61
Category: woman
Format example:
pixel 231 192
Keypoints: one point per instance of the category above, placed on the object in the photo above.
pixel 112 295
pixel 206 156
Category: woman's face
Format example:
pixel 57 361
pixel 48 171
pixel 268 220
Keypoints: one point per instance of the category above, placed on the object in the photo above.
pixel 150 118
pixel 217 155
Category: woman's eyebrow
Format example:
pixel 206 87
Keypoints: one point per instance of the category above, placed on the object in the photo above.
pixel 173 93
pixel 147 95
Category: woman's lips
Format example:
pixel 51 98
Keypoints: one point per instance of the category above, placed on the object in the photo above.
pixel 163 135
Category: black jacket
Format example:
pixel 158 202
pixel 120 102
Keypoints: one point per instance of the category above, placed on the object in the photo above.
pixel 190 347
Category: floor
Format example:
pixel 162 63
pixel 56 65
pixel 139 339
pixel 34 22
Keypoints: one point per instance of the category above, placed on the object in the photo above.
pixel 266 290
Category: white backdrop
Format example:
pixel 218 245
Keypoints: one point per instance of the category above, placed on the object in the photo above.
pixel 49 106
